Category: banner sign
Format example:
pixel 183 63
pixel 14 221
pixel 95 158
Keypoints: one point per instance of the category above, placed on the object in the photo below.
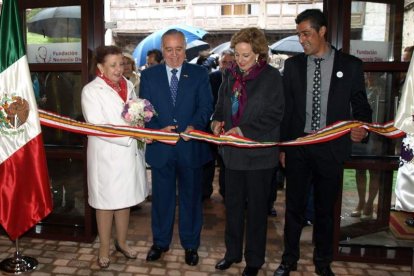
pixel 54 53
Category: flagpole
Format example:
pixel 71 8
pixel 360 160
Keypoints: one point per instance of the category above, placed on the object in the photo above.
pixel 19 263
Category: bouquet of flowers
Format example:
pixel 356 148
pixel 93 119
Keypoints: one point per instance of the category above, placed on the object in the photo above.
pixel 137 112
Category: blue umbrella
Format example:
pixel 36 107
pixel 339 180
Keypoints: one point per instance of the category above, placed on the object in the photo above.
pixel 153 41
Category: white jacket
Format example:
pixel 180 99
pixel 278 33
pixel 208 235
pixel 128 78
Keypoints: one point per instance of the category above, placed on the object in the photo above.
pixel 116 167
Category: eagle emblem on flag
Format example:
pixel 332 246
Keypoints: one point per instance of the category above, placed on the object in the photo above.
pixel 14 111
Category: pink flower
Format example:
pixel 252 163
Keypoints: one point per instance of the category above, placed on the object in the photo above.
pixel 138 111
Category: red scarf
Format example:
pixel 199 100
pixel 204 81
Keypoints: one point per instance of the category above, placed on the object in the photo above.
pixel 239 86
pixel 121 88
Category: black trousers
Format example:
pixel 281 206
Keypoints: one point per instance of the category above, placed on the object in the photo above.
pixel 247 194
pixel 208 174
pixel 305 165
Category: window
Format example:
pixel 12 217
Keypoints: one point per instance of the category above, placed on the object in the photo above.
pixel 226 10
pixel 237 9
pixel 273 9
pixel 371 30
pixel 54 39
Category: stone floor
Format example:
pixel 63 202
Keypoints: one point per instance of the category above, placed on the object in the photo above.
pixel 73 258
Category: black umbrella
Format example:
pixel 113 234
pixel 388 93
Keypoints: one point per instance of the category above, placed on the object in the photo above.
pixel 220 48
pixel 287 45
pixel 57 22
pixel 194 48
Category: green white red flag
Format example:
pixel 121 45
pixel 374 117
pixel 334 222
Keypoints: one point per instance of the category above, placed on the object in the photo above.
pixel 25 196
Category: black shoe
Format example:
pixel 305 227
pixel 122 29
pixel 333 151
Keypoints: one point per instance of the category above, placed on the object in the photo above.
pixel 205 197
pixel 284 269
pixel 223 264
pixel 307 223
pixel 129 254
pixel 272 212
pixel 250 271
pixel 324 271
pixel 155 253
pixel 191 257
pixel 410 221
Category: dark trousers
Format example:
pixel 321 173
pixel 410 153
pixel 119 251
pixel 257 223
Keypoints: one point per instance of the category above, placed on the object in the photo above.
pixel 312 164
pixel 251 188
pixel 277 183
pixel 164 181
pixel 208 174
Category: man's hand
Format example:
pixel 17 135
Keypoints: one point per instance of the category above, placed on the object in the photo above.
pixel 282 156
pixel 358 133
pixel 169 129
pixel 217 127
pixel 187 130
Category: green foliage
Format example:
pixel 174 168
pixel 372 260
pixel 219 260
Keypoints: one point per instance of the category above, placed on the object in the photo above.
pixel 33 38
pixel 349 183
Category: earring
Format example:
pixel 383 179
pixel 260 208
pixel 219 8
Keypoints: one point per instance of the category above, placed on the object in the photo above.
pixel 257 59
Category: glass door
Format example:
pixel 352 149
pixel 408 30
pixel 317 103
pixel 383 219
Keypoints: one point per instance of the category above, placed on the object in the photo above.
pixel 60 37
pixel 374 32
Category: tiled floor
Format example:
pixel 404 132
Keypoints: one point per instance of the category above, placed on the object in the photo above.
pixel 73 258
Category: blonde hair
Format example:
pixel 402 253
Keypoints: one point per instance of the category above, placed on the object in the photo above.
pixel 255 38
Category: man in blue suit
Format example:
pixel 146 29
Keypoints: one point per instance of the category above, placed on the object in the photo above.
pixel 181 95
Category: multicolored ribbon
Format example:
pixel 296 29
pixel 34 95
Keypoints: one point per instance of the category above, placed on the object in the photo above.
pixel 61 122
pixel 326 134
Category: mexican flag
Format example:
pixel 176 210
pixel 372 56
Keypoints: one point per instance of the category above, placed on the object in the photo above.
pixel 25 196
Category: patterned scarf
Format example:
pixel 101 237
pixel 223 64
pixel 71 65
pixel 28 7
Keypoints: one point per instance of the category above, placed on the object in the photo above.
pixel 121 88
pixel 239 93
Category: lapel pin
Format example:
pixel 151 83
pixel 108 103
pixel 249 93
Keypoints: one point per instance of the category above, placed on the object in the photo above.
pixel 339 74
pixel 185 76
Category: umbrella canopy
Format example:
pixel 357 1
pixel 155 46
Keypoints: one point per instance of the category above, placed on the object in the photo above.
pixel 194 48
pixel 153 41
pixel 287 45
pixel 57 22
pixel 220 48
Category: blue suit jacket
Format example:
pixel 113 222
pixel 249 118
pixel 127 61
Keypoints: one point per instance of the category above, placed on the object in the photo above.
pixel 194 106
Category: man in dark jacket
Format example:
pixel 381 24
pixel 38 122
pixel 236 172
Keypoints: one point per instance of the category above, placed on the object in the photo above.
pixel 322 86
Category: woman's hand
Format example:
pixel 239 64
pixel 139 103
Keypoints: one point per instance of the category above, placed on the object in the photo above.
pixel 235 131
pixel 217 127
pixel 148 140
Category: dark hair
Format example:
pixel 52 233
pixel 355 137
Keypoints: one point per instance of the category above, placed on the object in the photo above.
pixel 156 53
pixel 172 32
pixel 315 16
pixel 202 56
pixel 255 38
pixel 101 53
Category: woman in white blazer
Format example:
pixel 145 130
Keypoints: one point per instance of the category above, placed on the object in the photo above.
pixel 116 166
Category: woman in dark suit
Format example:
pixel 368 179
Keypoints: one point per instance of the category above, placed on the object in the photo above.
pixel 251 105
